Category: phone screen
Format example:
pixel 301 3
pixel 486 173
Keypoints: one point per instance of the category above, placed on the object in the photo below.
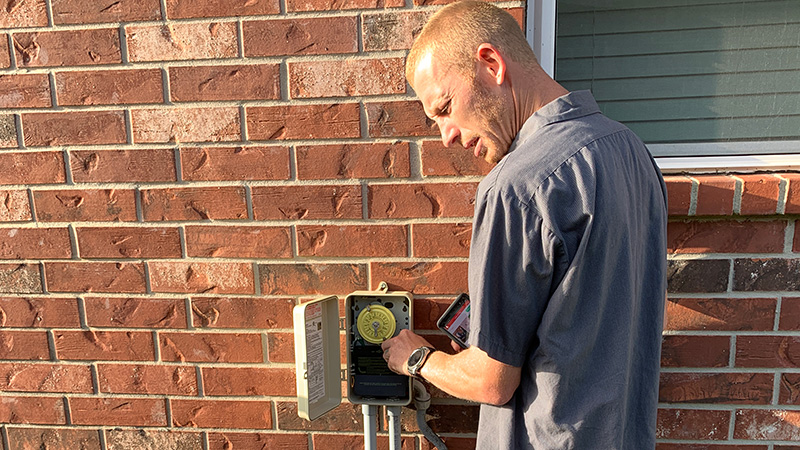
pixel 455 321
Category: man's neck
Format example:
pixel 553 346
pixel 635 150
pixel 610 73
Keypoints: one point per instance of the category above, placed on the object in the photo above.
pixel 531 89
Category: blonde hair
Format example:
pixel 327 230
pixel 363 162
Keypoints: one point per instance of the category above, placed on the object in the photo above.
pixel 453 35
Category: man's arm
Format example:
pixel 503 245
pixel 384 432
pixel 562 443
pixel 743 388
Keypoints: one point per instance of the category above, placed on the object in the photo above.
pixel 470 374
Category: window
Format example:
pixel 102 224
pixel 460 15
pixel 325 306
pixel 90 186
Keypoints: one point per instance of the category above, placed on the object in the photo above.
pixel 717 79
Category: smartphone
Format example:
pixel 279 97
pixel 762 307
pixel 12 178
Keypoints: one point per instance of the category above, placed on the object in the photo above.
pixel 455 321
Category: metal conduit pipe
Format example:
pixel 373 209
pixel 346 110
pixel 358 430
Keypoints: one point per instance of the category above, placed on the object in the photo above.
pixel 422 400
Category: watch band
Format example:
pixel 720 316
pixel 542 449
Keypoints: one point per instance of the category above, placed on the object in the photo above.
pixel 417 360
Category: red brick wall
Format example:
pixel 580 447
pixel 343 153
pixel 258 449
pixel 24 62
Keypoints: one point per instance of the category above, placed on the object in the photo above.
pixel 177 175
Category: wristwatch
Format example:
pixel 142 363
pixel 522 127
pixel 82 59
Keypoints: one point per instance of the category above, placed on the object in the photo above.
pixel 417 360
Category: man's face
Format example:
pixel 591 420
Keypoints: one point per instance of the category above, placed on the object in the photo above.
pixel 470 112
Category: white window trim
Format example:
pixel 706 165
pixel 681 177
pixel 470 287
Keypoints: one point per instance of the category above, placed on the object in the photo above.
pixel 540 28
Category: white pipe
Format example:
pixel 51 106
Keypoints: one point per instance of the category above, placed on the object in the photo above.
pixel 370 426
pixel 422 399
pixel 394 427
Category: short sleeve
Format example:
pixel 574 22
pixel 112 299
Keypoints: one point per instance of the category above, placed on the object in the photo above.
pixel 511 276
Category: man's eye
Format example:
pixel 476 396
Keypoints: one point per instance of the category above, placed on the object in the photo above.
pixel 446 108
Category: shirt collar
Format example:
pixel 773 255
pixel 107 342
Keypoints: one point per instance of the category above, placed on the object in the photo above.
pixel 569 106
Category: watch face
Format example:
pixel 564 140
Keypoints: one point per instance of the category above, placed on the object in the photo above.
pixel 415 357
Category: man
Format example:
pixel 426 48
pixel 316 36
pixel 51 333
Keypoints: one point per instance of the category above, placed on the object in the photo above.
pixel 567 268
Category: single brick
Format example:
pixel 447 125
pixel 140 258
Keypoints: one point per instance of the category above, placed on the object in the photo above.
pixel 720 314
pixel 336 121
pixel 182 41
pixel 35 243
pixel 438 160
pixel 239 82
pixel 280 348
pixel 403 118
pixel 25 91
pixel 53 438
pixel 91 345
pixel 759 194
pixel 129 242
pixel 319 5
pixel 14 206
pixel 5 57
pixel 218 278
pixel 345 417
pixel 211 347
pixel 245 312
pixel 792 193
pixel 25 377
pixel 143 439
pixel 123 166
pixel 312 36
pixel 32 167
pixel 726 237
pixel 349 161
pixel 8 128
pixel 392 31
pixel 146 379
pixel 309 279
pixel 95 277
pixel 392 201
pixel 39 312
pixel 428 310
pixel 135 312
pixel 109 87
pixel 228 440
pixel 715 195
pixel 32 410
pixel 235 163
pixel 104 11
pixel 432 240
pixel 351 77
pixel 238 242
pixel 768 351
pixel 706 425
pixel 422 278
pixel 23 14
pixel 180 125
pixel 18 278
pixel 765 424
pixel 679 195
pixel 307 202
pixel 177 9
pixel 695 351
pixel 74 128
pixel 370 240
pixel 698 275
pixel 95 205
pixel 24 345
pixel 248 381
pixel 766 274
pixel 790 389
pixel 790 314
pixel 134 412
pixel 68 48
pixel 721 388
pixel 222 414
pixel 204 203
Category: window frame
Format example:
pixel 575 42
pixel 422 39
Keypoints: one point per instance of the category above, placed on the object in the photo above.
pixel 540 27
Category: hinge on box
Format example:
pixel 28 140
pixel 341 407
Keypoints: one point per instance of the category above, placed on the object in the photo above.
pixel 342 324
pixel 344 374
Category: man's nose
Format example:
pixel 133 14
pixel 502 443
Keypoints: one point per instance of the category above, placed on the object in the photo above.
pixel 449 132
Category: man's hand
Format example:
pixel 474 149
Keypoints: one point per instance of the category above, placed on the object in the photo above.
pixel 397 349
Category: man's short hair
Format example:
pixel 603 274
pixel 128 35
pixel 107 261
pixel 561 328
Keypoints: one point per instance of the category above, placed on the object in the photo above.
pixel 454 33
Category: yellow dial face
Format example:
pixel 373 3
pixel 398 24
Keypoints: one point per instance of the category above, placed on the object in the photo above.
pixel 376 323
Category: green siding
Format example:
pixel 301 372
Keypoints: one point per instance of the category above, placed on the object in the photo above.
pixel 681 70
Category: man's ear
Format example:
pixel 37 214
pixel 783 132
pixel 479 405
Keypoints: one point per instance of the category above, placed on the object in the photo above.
pixel 491 62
